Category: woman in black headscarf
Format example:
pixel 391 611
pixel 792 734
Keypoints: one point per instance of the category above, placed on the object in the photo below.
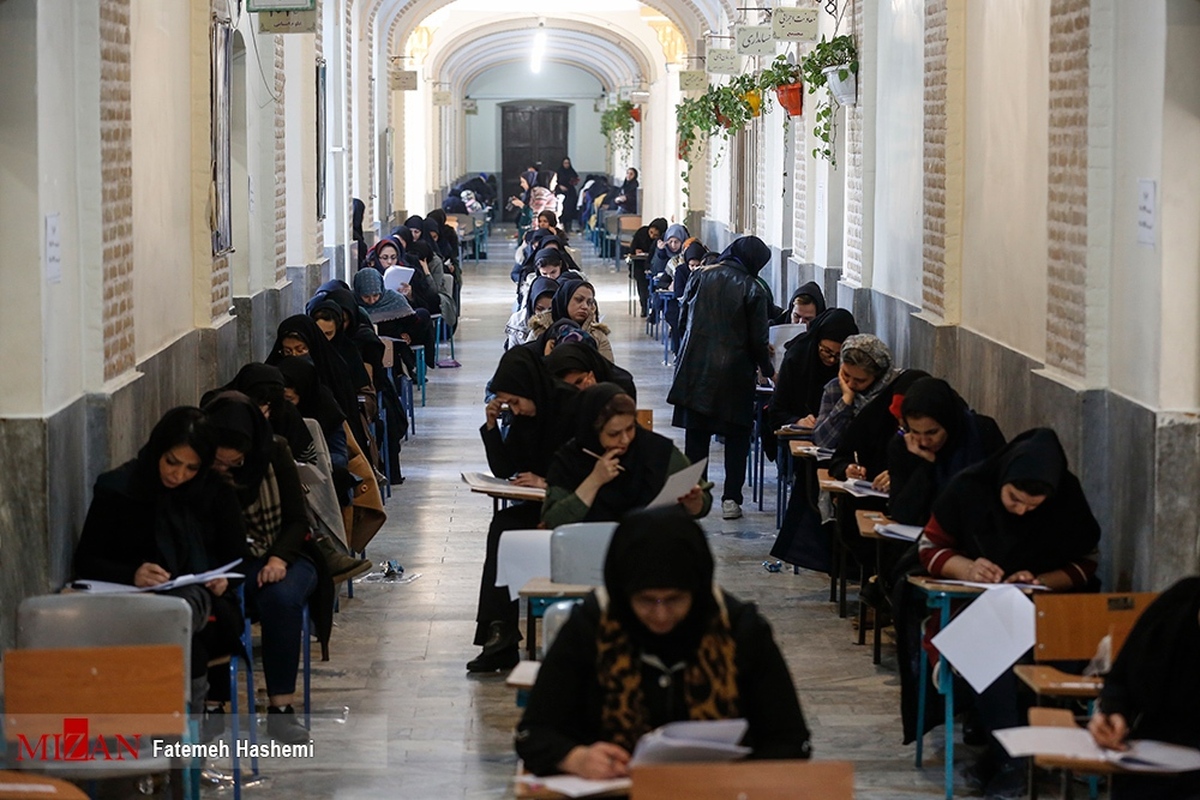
pixel 539 298
pixel 1018 517
pixel 626 200
pixel 449 249
pixel 610 466
pixel 162 515
pixel 537 406
pixel 810 361
pixel 581 365
pixel 313 400
pixel 568 179
pixel 265 386
pixel 286 571
pixel 299 335
pixel 659 643
pixel 416 226
pixel 804 306
pixel 942 437
pixel 643 246
pixel 565 331
pixel 724 323
pixel 575 300
pixel 1151 691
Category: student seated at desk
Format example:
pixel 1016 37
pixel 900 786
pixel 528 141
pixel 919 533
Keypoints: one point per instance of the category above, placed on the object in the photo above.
pixel 575 300
pixel 165 514
pixel 581 365
pixel 1018 517
pixel 804 306
pixel 537 405
pixel 541 294
pixel 866 368
pixel 286 570
pixel 659 643
pixel 942 437
pixel 1153 691
pixel 611 466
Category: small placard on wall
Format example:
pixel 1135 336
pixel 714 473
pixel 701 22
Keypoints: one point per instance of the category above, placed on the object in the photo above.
pixel 53 248
pixel 281 5
pixel 402 80
pixel 287 22
pixel 470 106
pixel 693 80
pixel 723 61
pixel 755 40
pixel 794 24
pixel 1147 214
pixel 442 98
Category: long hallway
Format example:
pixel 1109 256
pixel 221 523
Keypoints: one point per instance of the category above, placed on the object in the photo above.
pixel 399 650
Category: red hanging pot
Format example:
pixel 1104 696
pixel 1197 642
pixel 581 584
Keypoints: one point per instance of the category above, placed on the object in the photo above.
pixel 636 113
pixel 791 97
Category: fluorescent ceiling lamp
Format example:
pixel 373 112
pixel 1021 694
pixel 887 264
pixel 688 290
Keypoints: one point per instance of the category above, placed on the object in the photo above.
pixel 539 50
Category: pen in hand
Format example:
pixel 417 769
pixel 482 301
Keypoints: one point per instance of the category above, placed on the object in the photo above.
pixel 598 457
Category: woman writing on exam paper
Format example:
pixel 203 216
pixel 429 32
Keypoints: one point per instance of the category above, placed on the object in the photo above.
pixel 1019 516
pixel 162 515
pixel 611 466
pixel 659 643
pixel 1152 691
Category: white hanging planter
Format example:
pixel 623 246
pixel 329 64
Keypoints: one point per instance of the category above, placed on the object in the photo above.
pixel 844 91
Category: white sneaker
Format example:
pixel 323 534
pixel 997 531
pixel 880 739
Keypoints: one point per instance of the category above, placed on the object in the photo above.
pixel 730 509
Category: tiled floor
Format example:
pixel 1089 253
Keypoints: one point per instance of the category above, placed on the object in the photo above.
pixel 398 714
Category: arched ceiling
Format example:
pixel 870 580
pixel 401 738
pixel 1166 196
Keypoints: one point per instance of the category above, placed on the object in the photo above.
pixel 612 60
pixel 394 20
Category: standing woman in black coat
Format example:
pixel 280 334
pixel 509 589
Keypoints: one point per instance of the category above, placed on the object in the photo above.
pixel 724 322
pixel 536 404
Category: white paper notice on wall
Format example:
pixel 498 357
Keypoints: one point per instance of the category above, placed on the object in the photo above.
pixel 723 61
pixel 53 248
pixel 794 24
pixel 1147 215
pixel 442 98
pixel 693 80
pixel 287 22
pixel 755 40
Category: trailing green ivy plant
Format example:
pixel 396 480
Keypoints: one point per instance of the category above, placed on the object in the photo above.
pixel 839 51
pixel 616 124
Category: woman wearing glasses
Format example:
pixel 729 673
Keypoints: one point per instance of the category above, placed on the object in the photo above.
pixel 811 361
pixel 659 643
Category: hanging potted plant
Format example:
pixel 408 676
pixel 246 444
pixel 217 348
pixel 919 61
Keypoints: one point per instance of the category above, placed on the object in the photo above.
pixel 746 86
pixel 830 63
pixel 636 113
pixel 783 76
pixel 616 125
pixel 695 121
pixel 730 107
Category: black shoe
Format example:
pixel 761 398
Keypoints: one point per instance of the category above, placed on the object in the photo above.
pixel 283 727
pixel 213 723
pixel 501 636
pixel 1011 781
pixel 504 659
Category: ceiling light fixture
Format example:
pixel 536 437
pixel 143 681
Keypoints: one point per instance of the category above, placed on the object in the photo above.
pixel 539 47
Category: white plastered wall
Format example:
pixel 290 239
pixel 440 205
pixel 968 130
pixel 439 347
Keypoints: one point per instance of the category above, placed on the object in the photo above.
pixel 1004 224
pixel 300 114
pixel 899 94
pixel 561 83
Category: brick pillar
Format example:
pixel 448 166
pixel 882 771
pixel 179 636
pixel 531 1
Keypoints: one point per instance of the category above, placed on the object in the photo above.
pixel 852 271
pixel 945 127
pixel 280 167
pixel 373 180
pixel 1066 317
pixel 116 165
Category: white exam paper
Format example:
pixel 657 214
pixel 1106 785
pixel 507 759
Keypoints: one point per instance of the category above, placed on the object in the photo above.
pixel 522 555
pixel 989 635
pixel 779 336
pixel 679 484
pixel 1143 755
pixel 573 786
pixel 894 530
pixel 395 277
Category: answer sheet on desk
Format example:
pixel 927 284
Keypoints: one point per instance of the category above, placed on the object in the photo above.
pixel 988 636
pixel 572 786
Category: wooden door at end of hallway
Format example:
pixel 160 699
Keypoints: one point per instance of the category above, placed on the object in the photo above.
pixel 530 133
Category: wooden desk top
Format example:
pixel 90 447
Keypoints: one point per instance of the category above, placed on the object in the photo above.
pixel 1044 680
pixel 17 785
pixel 793 433
pixel 828 484
pixel 932 585
pixel 867 520
pixel 544 587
